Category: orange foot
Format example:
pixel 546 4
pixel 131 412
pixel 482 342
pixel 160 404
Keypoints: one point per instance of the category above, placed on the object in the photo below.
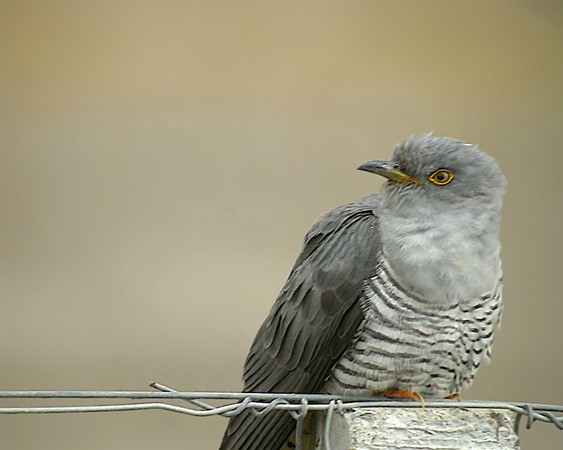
pixel 454 396
pixel 401 394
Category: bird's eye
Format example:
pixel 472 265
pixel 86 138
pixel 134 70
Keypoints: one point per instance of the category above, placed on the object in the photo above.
pixel 441 177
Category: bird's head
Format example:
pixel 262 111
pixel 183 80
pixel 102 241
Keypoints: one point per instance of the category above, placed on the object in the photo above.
pixel 438 172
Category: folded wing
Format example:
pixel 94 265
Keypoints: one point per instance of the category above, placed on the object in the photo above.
pixel 312 322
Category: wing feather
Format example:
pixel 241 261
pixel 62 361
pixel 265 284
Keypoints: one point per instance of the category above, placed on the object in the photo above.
pixel 312 321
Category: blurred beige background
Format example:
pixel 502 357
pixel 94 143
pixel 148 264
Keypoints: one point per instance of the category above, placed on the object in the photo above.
pixel 162 160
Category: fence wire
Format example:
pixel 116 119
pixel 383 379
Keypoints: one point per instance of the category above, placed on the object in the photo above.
pixel 233 403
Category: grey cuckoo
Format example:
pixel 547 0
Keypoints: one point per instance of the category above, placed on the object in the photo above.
pixel 396 294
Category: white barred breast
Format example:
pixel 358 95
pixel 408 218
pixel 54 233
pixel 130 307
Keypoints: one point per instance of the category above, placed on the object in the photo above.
pixel 408 343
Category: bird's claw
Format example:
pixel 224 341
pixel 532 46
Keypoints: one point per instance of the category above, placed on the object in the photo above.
pixel 393 393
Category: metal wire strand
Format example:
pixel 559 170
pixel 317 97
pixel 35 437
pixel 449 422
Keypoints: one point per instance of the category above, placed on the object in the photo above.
pixel 328 422
pixel 298 405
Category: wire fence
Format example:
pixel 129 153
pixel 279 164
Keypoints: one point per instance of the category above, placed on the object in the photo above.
pixel 233 403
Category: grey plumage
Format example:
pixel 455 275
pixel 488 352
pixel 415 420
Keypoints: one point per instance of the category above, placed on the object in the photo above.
pixel 400 290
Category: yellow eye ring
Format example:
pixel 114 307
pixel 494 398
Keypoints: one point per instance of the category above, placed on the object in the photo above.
pixel 441 177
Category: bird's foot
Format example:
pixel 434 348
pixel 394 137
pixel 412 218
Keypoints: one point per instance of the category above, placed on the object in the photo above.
pixel 454 396
pixel 401 394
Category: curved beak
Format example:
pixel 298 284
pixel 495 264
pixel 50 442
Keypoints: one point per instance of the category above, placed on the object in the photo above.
pixel 386 169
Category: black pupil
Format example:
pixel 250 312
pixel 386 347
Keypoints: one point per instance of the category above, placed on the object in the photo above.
pixel 441 176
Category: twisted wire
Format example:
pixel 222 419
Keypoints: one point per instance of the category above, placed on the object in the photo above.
pixel 297 405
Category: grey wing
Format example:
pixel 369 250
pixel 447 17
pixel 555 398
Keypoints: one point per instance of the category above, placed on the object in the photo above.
pixel 312 322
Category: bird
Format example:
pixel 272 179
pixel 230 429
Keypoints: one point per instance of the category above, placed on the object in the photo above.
pixel 396 294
